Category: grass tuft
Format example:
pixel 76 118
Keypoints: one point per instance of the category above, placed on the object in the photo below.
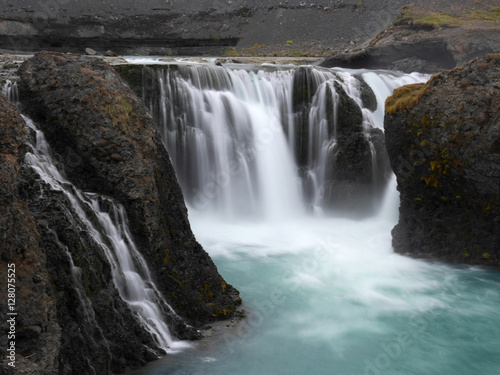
pixel 404 98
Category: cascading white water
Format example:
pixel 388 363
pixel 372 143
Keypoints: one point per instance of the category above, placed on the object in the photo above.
pixel 232 134
pixel 10 90
pixel 223 132
pixel 383 84
pixel 130 272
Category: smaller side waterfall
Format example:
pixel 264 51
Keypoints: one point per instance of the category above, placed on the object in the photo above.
pixel 10 90
pixel 106 222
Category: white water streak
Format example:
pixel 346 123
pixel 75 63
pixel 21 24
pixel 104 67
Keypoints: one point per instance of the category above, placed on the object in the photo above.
pixel 130 272
pixel 231 134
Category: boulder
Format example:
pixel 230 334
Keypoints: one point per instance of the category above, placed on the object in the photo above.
pixel 443 141
pixel 82 104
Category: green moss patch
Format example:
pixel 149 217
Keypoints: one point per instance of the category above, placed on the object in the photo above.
pixel 404 98
pixel 440 19
pixel 493 15
pixel 422 17
pixel 495 57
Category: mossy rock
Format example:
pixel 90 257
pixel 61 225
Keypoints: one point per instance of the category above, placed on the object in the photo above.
pixel 404 98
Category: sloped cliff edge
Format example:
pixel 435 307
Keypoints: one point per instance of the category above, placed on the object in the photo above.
pixel 443 140
pixel 83 106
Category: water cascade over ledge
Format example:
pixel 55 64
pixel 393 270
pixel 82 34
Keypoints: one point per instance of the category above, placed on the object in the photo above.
pixel 256 151
pixel 274 142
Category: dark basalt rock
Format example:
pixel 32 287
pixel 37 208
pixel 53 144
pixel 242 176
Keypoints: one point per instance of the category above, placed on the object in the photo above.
pixel 83 105
pixel 353 186
pixel 368 96
pixel 443 140
pixel 349 115
pixel 304 87
pixel 426 55
pixel 37 329
pixel 63 326
pixel 352 183
pixel 98 330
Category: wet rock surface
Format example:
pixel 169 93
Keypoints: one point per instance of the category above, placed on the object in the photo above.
pixel 352 184
pixel 37 332
pixel 82 103
pixel 71 317
pixel 443 140
pixel 98 329
pixel 62 325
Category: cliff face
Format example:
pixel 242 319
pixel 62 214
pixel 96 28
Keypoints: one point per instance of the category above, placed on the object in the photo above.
pixel 443 140
pixel 62 325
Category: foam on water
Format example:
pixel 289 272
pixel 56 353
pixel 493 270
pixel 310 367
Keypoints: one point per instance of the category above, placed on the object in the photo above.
pixel 329 296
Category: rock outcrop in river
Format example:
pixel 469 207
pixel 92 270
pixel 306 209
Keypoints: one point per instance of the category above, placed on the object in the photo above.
pixel 106 143
pixel 443 140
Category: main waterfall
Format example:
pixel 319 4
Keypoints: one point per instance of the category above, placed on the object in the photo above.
pixel 273 142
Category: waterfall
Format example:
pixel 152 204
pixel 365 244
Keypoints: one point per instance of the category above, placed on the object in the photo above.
pixel 261 142
pixel 10 90
pixel 107 224
pixel 223 132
